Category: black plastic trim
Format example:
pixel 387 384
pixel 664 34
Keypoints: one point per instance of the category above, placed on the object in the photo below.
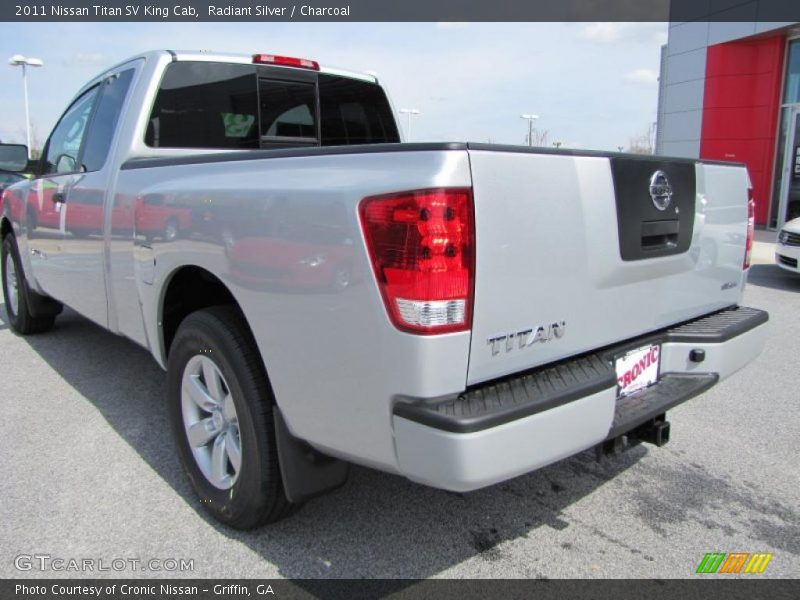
pixel 644 231
pixel 514 398
pixel 645 405
pixel 595 154
pixel 306 473
pixel 43 306
pixel 239 155
pixel 543 388
pixel 718 327
pixel 713 328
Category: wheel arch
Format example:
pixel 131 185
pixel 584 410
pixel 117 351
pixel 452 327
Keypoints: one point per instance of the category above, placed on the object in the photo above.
pixel 189 288
pixel 306 472
pixel 5 226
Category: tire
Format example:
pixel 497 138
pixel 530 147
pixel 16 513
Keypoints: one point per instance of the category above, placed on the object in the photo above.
pixel 17 296
pixel 252 495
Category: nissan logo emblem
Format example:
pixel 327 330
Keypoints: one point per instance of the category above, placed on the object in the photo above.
pixel 660 190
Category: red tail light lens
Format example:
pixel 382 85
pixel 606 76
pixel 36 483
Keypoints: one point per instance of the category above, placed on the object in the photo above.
pixel 751 227
pixel 422 248
pixel 285 61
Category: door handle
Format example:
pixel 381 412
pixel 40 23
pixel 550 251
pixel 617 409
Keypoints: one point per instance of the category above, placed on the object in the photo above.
pixel 58 197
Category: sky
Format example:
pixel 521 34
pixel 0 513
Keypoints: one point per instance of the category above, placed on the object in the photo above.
pixel 593 85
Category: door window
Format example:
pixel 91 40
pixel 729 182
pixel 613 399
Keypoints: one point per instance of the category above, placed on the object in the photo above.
pixel 235 106
pixel 354 112
pixel 64 146
pixel 205 105
pixel 104 122
pixel 288 110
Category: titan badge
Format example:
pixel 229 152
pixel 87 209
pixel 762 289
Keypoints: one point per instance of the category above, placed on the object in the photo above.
pixel 527 337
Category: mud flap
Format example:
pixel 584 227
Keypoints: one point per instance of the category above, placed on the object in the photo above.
pixel 306 472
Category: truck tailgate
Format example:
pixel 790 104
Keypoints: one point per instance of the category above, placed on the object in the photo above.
pixel 573 253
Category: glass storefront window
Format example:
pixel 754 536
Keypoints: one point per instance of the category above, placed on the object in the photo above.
pixel 779 163
pixel 785 203
pixel 791 93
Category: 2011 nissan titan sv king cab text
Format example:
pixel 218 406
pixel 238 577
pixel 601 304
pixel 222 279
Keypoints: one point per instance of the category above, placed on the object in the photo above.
pixel 321 294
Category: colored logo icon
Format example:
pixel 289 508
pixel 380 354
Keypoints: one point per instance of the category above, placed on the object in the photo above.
pixel 734 562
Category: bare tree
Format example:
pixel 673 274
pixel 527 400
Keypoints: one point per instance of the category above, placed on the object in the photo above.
pixel 539 137
pixel 36 140
pixel 641 144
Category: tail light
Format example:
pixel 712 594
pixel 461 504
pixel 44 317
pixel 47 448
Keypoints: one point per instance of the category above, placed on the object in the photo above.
pixel 422 247
pixel 751 227
pixel 285 61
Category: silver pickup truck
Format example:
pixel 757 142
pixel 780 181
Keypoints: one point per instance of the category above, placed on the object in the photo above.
pixel 321 294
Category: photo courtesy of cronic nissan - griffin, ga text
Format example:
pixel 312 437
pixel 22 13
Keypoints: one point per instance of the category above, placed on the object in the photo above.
pixel 320 293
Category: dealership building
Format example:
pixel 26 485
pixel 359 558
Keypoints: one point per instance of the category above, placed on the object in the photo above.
pixel 730 90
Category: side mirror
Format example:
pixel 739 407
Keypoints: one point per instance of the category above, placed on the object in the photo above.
pixel 65 163
pixel 13 157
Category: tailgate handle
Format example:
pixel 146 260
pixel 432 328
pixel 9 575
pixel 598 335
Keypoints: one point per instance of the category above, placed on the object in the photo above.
pixel 659 235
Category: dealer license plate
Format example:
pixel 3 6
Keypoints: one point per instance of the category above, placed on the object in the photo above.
pixel 637 369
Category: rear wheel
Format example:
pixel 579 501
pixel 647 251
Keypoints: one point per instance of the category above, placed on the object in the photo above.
pixel 221 412
pixel 18 297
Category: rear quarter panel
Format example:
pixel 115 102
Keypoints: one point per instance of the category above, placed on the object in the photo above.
pixel 333 358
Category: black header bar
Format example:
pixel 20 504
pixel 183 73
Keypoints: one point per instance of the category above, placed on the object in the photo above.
pixel 706 587
pixel 400 10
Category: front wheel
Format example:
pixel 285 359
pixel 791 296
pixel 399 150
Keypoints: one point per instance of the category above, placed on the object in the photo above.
pixel 16 294
pixel 221 409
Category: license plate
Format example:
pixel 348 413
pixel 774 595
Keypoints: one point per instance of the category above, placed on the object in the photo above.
pixel 637 369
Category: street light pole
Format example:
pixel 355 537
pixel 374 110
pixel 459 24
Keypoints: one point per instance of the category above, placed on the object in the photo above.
pixel 530 119
pixel 20 61
pixel 409 112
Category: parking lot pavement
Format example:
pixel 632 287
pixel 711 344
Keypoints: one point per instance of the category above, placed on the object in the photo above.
pixel 90 472
pixel 763 247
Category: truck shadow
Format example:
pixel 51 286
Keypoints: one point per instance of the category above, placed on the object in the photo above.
pixel 773 277
pixel 378 525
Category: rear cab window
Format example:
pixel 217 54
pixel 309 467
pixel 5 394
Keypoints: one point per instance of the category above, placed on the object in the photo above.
pixel 237 106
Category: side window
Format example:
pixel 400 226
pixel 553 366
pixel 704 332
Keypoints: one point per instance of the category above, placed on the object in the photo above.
pixel 354 112
pixel 64 146
pixel 287 111
pixel 104 122
pixel 205 105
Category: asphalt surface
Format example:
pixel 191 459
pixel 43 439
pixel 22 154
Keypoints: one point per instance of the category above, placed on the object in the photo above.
pixel 89 471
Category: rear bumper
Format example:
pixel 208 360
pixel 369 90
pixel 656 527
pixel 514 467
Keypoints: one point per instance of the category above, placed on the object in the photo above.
pixel 500 430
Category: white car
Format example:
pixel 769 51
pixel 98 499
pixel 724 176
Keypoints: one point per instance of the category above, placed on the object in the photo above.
pixel 787 251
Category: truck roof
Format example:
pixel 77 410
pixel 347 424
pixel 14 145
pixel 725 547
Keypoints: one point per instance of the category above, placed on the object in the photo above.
pixel 203 55
pixel 209 56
